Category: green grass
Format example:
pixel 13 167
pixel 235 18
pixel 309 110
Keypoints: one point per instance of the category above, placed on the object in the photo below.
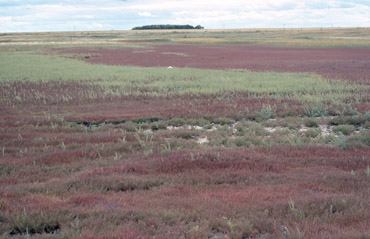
pixel 344 129
pixel 126 80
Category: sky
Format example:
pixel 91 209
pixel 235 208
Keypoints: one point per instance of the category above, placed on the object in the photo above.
pixel 88 15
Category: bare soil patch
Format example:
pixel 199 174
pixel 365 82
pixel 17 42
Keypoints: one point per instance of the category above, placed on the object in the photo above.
pixel 341 63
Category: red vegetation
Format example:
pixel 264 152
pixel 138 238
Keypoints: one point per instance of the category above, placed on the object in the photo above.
pixel 77 169
pixel 80 107
pixel 261 192
pixel 346 63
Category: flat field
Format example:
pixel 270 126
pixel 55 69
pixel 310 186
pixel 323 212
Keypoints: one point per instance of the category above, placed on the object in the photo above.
pixel 260 133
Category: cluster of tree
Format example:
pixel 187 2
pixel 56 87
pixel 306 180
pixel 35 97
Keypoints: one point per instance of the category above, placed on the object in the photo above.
pixel 155 27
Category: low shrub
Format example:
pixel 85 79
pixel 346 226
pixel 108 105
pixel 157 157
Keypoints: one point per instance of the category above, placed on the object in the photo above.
pixel 158 126
pixel 341 141
pixel 197 122
pixel 357 120
pixel 130 127
pixel 242 142
pixel 177 122
pixel 349 111
pixel 240 129
pixel 345 129
pixel 208 126
pixel 316 110
pixel 360 140
pixel 266 112
pixel 186 134
pixel 367 125
pixel 131 185
pixel 222 121
pixel 365 139
pixel 220 142
pixel 311 123
pixel 280 132
pixel 312 133
pixel 147 120
pixel 295 141
pixel 33 223
pixel 259 130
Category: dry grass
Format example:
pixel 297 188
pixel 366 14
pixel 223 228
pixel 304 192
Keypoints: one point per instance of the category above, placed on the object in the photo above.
pixel 305 37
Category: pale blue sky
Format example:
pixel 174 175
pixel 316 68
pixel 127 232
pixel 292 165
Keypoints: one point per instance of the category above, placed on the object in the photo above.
pixel 67 15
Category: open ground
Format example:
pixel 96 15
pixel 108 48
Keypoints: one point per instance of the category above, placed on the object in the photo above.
pixel 259 133
pixel 342 63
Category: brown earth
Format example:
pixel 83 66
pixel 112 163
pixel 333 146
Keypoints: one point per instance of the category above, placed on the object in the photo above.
pixel 341 63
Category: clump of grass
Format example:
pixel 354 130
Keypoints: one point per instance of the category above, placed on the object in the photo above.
pixel 258 130
pixel 295 141
pixel 131 185
pixel 147 120
pixel 356 120
pixel 367 125
pixel 185 134
pixel 220 142
pixel 349 110
pixel 266 112
pixel 365 139
pixel 311 123
pixel 316 110
pixel 177 122
pixel 361 139
pixel 158 126
pixel 242 142
pixel 130 127
pixel 166 147
pixel 345 129
pixel 312 133
pixel 222 121
pixel 341 141
pixel 33 223
pixel 240 129
pixel 7 170
pixel 198 122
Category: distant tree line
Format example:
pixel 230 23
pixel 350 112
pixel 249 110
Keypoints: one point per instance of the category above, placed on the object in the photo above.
pixel 168 26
